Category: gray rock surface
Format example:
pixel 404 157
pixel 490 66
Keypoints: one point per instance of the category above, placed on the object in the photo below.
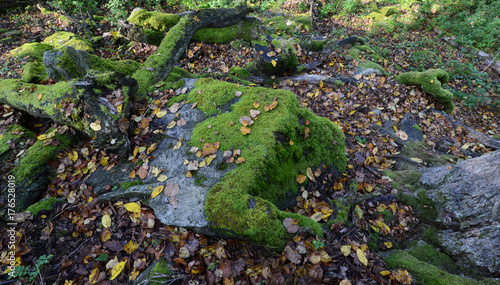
pixel 467 198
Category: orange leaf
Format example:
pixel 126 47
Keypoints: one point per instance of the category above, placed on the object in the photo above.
pixel 301 178
pixel 244 130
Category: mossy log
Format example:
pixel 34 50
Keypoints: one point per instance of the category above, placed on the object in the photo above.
pixel 431 81
pixel 88 105
pixel 158 66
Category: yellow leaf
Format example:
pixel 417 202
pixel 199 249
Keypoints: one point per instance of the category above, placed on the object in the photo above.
pixel 385 273
pixel 171 125
pixel 130 246
pixel 162 114
pixel 240 160
pixel 256 104
pixel 273 62
pixel 178 145
pixel 106 220
pixel 310 174
pixel 417 159
pixel 119 108
pixel 134 208
pixel 388 244
pixel 96 126
pixel 151 148
pixel 117 269
pixel 104 160
pixel 301 178
pixel 94 276
pixel 42 137
pixel 134 274
pixel 361 256
pixel 157 191
pixel 40 96
pixel 162 178
pixel 244 130
pixel 321 84
pixel 66 282
pixel 345 249
pixel 432 81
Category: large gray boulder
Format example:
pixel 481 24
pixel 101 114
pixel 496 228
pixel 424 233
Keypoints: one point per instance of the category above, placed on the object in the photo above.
pixel 232 162
pixel 467 200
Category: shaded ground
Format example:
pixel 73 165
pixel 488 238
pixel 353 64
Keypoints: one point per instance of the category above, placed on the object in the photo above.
pixel 81 249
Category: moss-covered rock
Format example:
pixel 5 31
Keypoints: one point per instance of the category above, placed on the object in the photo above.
pixel 274 55
pixel 60 39
pixel 373 65
pixel 34 72
pixel 42 205
pixel 431 81
pixel 279 24
pixel 245 201
pixel 239 72
pixel 303 21
pixel 67 63
pixel 33 51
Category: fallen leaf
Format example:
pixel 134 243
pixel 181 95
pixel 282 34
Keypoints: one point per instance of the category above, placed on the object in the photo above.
pixel 254 113
pixel 181 122
pixel 96 126
pixel 133 208
pixel 345 249
pixel 143 171
pixel 301 178
pixel 162 178
pixel 175 107
pixel 290 226
pixel 240 160
pixel 161 114
pixel 310 174
pixel 171 189
pixel 362 256
pixel 106 220
pixel 273 62
pixel 157 191
pixel 244 130
pixel 238 93
pixel 256 104
pixel 117 269
pixel 246 121
pixel 130 246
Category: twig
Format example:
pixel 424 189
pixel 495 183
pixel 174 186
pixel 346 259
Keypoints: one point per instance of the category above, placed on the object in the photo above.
pixel 491 62
pixel 59 264
pixel 39 273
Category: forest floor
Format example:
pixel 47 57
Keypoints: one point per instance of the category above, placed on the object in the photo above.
pixel 80 251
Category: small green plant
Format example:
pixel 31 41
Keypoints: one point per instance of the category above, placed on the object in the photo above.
pixel 32 272
pixel 360 140
pixel 213 265
pixel 318 243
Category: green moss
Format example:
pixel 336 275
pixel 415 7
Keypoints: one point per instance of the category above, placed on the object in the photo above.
pixel 34 51
pixel 42 205
pixel 422 205
pixel 239 72
pixel 342 209
pixel 267 148
pixel 60 39
pixel 12 135
pixel 405 179
pixel 155 20
pixel 179 73
pixel 34 72
pixel 38 155
pixel 278 23
pixel 431 81
pixel 126 185
pixel 27 98
pixel 303 21
pixel 424 272
pixel 161 272
pixel 373 65
pixel 429 254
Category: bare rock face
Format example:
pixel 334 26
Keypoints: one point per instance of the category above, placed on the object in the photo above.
pixel 467 200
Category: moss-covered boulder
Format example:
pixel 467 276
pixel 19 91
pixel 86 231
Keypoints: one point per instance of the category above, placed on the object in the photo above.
pixel 31 51
pixel 274 55
pixel 67 63
pixel 60 39
pixel 383 14
pixel 42 205
pixel 235 159
pixel 431 81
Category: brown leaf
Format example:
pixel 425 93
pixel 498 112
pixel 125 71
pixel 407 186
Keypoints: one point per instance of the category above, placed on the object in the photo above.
pixel 290 226
pixel 123 125
pixel 175 107
pixel 292 255
pixel 171 189
pixel 143 171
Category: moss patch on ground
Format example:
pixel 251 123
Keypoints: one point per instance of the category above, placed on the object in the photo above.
pixel 42 205
pixel 431 81
pixel 34 51
pixel 162 268
pixel 244 202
